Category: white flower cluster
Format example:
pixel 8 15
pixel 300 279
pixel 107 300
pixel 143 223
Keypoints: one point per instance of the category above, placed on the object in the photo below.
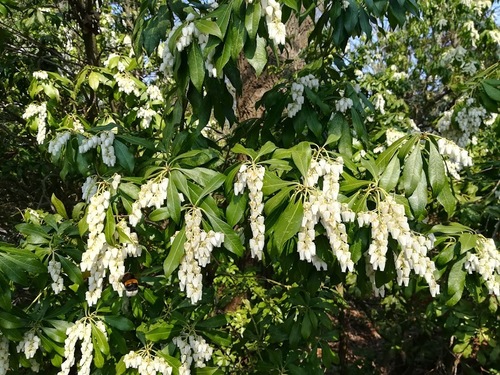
pixel 275 28
pixel 146 114
pixel 126 84
pixel 457 157
pixel 322 205
pixel 93 257
pixel 81 330
pixel 486 261
pixel 146 364
pixel 473 34
pixel 4 355
pixel 29 344
pixel 252 175
pixel 197 249
pixel 41 75
pixel 343 104
pixel 54 268
pixel 453 54
pixel 390 219
pixel 194 350
pixel 154 93
pixel 105 139
pixel 297 91
pixel 153 193
pixel 392 135
pixel 469 119
pixel 59 141
pixel 379 102
pixel 89 188
pixel 33 110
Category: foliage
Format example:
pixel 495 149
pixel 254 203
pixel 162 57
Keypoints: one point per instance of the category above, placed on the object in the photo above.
pixel 249 239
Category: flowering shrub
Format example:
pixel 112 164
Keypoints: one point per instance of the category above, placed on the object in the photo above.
pixel 241 247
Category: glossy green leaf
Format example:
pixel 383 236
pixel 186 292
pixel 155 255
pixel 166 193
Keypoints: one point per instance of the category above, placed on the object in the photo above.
pixel 467 241
pixel 175 254
pixel 257 57
pixel 418 200
pixel 119 322
pixel 59 206
pixel 288 224
pixel 277 200
pixel 211 186
pixel 173 202
pixel 110 227
pixel 236 209
pixel 208 27
pixel 491 91
pixel 412 171
pixel 456 281
pixel 447 199
pixel 94 80
pixel 273 183
pixel 71 269
pixel 390 177
pixel 301 155
pixel 160 333
pixel 252 19
pixel 100 339
pixel 124 157
pixel 232 241
pixel 436 170
pixel 196 66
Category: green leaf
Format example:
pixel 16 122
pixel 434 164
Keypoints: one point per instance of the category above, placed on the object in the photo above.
pixel 288 224
pixel 452 228
pixel 447 199
pixel 359 126
pixel 175 254
pixel 231 240
pixel 252 19
pixel 173 202
pixel 384 158
pixel 277 200
pixel 436 170
pixel 467 241
pixel 94 80
pixel 119 322
pixel 305 327
pixel 412 171
pixel 162 213
pixel 208 27
pixel 59 206
pixel 221 16
pixel 390 177
pixel 371 166
pixel 273 183
pixel 239 149
pixel 301 156
pixel 196 66
pixel 492 92
pixel 71 269
pixel 109 229
pixel 211 186
pixel 236 209
pixel 418 200
pixel 258 56
pixel 9 321
pixel 267 148
pixel 100 339
pixel 124 157
pixel 160 333
pixel 456 281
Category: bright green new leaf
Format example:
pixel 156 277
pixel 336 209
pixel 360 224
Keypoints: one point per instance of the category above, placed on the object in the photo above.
pixel 208 27
pixel 418 200
pixel 59 206
pixel 94 80
pixel 467 241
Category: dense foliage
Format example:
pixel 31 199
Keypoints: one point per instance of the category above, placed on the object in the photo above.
pixel 242 194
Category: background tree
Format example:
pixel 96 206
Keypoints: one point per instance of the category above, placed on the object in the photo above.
pixel 253 188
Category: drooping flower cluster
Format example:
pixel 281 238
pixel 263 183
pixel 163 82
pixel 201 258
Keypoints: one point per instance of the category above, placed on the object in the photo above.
pixel 323 205
pixel 54 269
pixel 92 258
pixel 4 355
pixel 379 103
pixel 40 75
pixel 343 104
pixel 89 188
pixel 81 330
pixel 390 219
pixel 146 113
pixel 147 364
pixel 275 28
pixel 456 157
pixel 486 262
pixel 58 142
pixel 194 350
pixel 197 249
pixel 126 84
pixel 105 139
pixel 29 344
pixel 297 92
pixel 40 111
pixel 153 193
pixel 252 175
